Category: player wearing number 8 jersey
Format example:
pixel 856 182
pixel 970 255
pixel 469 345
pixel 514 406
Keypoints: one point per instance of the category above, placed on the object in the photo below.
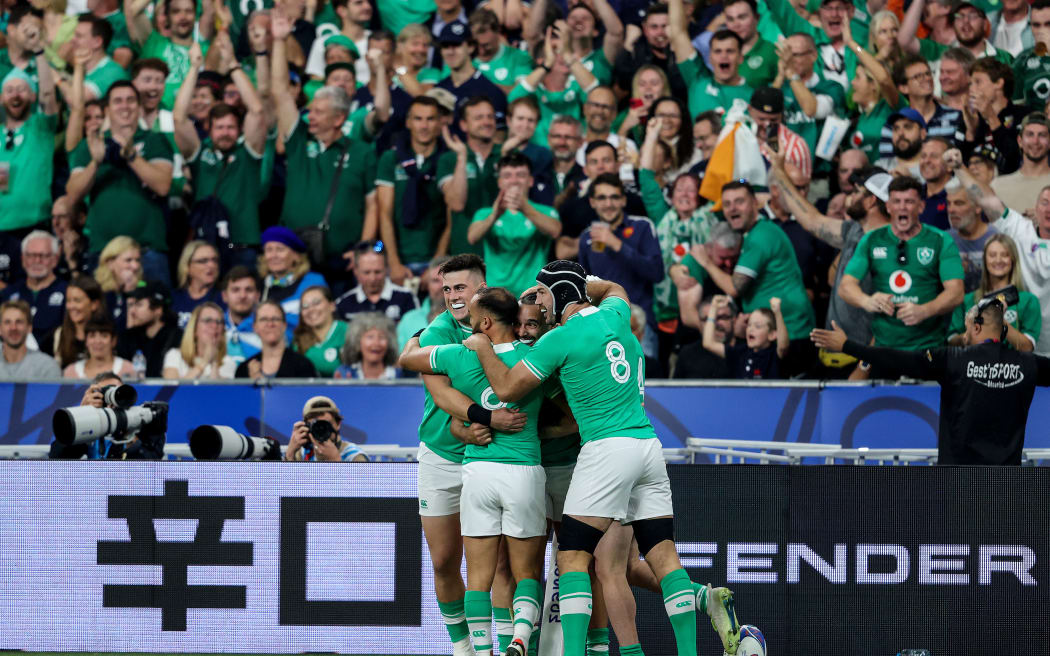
pixel 620 474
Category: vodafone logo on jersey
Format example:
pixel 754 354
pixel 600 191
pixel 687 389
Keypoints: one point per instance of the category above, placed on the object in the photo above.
pixel 900 281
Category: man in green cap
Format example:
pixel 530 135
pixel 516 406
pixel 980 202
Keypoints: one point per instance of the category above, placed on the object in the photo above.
pixel 27 148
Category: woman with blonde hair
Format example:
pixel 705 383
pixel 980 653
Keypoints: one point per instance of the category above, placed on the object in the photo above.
pixel 319 335
pixel 119 271
pixel 882 38
pixel 649 84
pixel 410 56
pixel 202 352
pixel 875 95
pixel 285 271
pixel 1002 269
pixel 370 352
pixel 198 272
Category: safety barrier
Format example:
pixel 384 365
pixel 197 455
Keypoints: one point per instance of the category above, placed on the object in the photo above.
pixel 847 416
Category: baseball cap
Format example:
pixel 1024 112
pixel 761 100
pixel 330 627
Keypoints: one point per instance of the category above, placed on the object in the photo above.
pixel 964 5
pixel 342 41
pixel 987 152
pixel 879 185
pixel 318 404
pixel 151 290
pixel 1037 118
pixel 455 32
pixel 768 99
pixel 444 97
pixel 909 113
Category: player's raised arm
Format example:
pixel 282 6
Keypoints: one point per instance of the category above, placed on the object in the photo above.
pixel 416 358
pixel 508 384
pixel 598 290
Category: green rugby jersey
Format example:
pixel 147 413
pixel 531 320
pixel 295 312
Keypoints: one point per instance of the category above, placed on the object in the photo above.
pixel 1026 316
pixel 601 368
pixel 1032 79
pixel 768 258
pixel 464 369
pixel 931 257
pixel 433 429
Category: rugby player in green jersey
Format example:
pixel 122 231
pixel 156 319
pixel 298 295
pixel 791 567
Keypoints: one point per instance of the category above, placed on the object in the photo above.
pixel 503 480
pixel 620 473
pixel 440 458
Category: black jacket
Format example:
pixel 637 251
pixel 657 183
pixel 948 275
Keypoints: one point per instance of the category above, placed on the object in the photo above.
pixel 986 391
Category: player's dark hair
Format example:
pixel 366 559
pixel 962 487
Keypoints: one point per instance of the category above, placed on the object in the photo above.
pixel 239 272
pixel 611 179
pixel 724 34
pixel 996 70
pixel 906 182
pixel 514 159
pixel 100 28
pixel 499 304
pixel 464 262
pixel 527 299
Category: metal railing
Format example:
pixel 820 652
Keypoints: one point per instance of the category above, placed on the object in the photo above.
pixel 721 451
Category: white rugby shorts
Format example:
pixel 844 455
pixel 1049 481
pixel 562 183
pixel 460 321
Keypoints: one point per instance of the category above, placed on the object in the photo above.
pixel 622 478
pixel 439 484
pixel 503 499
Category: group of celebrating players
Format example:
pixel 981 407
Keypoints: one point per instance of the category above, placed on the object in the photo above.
pixel 534 412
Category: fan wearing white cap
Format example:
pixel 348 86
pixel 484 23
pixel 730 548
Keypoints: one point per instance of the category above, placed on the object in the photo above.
pixel 866 211
pixel 317 437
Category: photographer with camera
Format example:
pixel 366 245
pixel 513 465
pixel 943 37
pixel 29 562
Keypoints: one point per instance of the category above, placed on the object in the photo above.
pixel 987 373
pixel 316 437
pixel 108 391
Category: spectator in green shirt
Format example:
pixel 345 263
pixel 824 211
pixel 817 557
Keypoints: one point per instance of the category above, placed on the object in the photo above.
pixel 767 268
pixel 467 172
pixel 173 48
pixel 119 47
pixel 515 232
pixel 227 163
pixel 27 148
pixel 93 35
pixel 126 171
pixel 25 29
pixel 413 222
pixel 916 273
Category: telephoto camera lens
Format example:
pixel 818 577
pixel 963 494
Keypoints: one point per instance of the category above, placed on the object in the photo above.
pixel 119 396
pixel 225 443
pixel 321 430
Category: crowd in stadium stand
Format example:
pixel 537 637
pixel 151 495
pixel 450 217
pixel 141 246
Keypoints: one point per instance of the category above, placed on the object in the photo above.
pixel 193 189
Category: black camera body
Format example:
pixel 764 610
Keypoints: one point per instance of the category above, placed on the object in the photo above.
pixel 321 430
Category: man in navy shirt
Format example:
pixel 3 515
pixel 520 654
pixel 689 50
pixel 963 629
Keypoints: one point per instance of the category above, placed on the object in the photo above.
pixel 465 81
pixel 374 292
pixel 623 249
pixel 41 288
